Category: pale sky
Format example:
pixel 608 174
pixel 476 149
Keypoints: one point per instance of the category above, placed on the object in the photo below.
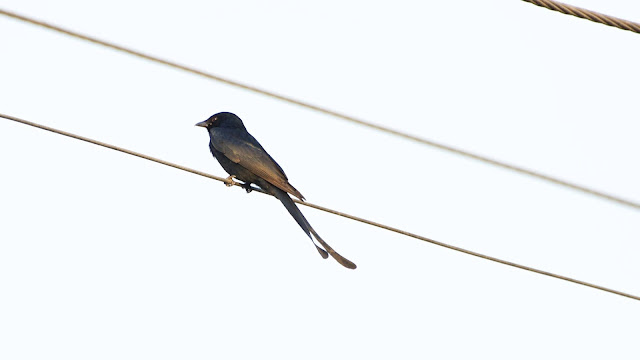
pixel 104 255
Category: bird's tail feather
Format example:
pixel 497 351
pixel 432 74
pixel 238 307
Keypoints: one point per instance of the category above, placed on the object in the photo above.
pixel 334 254
pixel 296 214
pixel 304 224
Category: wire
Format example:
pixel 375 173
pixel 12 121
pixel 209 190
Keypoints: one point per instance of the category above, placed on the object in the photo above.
pixel 309 106
pixel 322 208
pixel 588 14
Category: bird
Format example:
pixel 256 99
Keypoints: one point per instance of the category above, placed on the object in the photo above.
pixel 243 158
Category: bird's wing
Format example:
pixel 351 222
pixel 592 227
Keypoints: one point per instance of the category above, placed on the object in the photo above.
pixel 245 150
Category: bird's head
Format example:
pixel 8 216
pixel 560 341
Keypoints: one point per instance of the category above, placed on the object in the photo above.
pixel 223 119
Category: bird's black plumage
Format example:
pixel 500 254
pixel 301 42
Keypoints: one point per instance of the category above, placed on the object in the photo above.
pixel 242 156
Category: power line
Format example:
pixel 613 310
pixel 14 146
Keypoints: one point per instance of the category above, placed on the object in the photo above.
pixel 335 212
pixel 352 119
pixel 588 14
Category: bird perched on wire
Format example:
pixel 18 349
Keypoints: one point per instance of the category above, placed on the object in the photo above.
pixel 242 156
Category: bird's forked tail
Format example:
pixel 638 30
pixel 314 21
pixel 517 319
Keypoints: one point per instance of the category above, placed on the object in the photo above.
pixel 304 224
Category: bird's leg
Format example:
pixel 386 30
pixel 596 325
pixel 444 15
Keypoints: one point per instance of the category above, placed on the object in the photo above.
pixel 247 187
pixel 229 180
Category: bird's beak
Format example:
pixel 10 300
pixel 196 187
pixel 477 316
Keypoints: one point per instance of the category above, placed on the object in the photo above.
pixel 202 123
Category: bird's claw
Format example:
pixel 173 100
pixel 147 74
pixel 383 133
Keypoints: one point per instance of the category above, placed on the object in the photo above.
pixel 229 181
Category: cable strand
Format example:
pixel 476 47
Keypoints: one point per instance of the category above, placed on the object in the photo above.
pixel 309 106
pixel 587 14
pixel 322 208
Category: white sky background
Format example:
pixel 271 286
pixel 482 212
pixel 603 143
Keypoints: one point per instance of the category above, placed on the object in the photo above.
pixel 103 255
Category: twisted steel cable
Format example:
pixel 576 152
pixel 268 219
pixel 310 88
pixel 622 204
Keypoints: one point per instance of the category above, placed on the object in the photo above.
pixel 587 14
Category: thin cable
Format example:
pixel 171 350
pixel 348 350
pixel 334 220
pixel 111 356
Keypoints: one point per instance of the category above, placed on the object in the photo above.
pixel 588 14
pixel 365 221
pixel 113 147
pixel 309 106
